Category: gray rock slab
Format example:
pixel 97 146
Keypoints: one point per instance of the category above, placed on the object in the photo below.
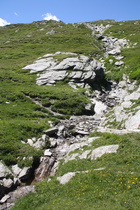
pixel 51 131
pixel 71 157
pixel 24 173
pixel 66 177
pixel 47 152
pixel 8 183
pixel 85 154
pixel 91 139
pixel 41 65
pixel 4 171
pixel 76 75
pixel 133 122
pixel 4 199
pixel 51 77
pixel 98 152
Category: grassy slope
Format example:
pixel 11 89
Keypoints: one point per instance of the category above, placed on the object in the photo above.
pixel 116 187
pixel 21 44
pixel 129 30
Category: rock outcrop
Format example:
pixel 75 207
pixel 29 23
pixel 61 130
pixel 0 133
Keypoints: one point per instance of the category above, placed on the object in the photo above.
pixel 72 134
pixel 78 69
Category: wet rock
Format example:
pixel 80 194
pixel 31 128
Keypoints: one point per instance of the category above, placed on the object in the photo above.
pixel 44 168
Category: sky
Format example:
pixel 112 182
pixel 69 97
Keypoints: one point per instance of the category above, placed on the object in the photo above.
pixel 68 11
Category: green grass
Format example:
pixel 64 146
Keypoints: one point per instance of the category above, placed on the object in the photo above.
pixel 20 117
pixel 116 187
pixel 129 30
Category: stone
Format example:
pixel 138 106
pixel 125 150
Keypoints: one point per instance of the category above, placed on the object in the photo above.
pixel 71 84
pixel 20 192
pixel 99 107
pixel 99 151
pixel 51 131
pixel 4 171
pixel 119 63
pixel 24 174
pixel 50 70
pixel 44 168
pixel 51 77
pixel 71 157
pixel 76 75
pixel 77 146
pixel 4 199
pixel 81 132
pixel 61 129
pixel 114 52
pixel 66 177
pixel 39 144
pixel 89 108
pixel 85 154
pixel 8 183
pixel 133 122
pixel 91 139
pixel 41 64
pixel 30 142
pixel 53 142
pixel 47 152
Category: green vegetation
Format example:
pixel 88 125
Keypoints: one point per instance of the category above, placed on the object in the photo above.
pixel 115 187
pixel 129 30
pixel 20 117
pixel 25 113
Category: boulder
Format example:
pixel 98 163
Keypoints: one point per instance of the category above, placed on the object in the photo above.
pixel 51 131
pixel 41 65
pixel 51 77
pixel 7 182
pixel 114 52
pixel 66 177
pixel 71 157
pixel 133 122
pixel 85 154
pixel 47 152
pixel 25 173
pixel 119 63
pixel 50 70
pixel 98 152
pixel 4 171
pixel 4 199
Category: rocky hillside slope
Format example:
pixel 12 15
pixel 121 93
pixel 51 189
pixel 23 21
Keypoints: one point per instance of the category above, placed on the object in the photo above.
pixel 60 83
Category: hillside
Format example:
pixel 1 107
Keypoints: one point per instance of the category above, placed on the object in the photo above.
pixel 62 84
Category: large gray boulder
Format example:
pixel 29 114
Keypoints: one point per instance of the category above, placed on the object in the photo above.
pixel 98 152
pixel 133 122
pixel 50 69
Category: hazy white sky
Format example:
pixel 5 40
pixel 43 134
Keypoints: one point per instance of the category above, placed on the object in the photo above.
pixel 70 11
